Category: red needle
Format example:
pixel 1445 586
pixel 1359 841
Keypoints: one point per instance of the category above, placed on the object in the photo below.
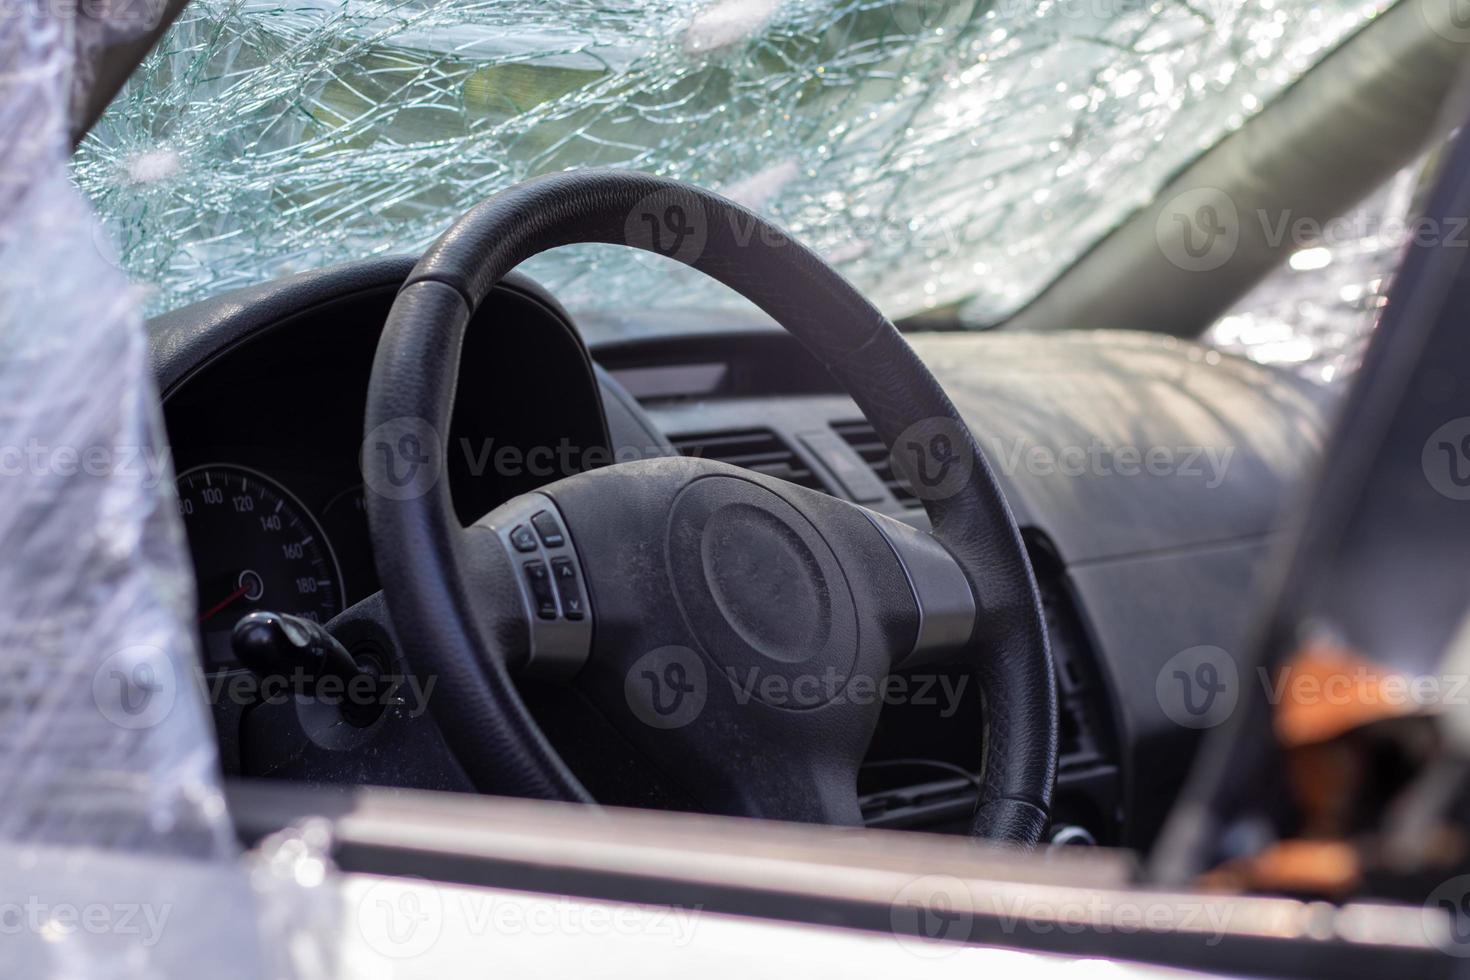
pixel 224 602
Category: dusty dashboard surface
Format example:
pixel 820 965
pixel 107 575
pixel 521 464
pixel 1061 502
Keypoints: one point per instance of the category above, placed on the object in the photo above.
pixel 1150 477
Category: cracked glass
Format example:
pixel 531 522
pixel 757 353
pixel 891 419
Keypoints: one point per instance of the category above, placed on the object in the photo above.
pixel 1315 313
pixel 941 155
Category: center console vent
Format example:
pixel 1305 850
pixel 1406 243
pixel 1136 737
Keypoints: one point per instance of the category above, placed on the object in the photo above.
pixel 760 450
pixel 860 436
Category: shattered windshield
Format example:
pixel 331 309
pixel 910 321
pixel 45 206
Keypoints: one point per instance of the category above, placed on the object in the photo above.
pixel 941 155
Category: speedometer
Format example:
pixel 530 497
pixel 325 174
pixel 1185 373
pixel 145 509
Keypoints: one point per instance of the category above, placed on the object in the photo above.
pixel 254 547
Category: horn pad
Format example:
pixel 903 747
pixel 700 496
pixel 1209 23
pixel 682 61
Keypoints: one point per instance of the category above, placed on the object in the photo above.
pixel 762 591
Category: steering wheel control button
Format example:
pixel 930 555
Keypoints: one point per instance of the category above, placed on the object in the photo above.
pixel 565 574
pixel 548 528
pixel 554 599
pixel 522 539
pixel 541 593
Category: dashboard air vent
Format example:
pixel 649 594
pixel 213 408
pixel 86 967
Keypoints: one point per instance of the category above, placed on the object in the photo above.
pixel 753 449
pixel 865 442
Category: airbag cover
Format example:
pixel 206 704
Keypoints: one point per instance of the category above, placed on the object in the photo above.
pixel 761 589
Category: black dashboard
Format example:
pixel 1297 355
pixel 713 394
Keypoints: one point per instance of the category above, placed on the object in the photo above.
pixel 265 434
pixel 1149 475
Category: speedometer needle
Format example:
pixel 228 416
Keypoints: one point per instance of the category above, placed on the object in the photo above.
pixel 224 602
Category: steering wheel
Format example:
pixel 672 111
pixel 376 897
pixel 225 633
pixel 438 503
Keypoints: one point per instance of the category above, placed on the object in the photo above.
pixel 738 630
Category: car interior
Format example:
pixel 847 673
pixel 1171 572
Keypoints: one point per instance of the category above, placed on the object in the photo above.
pixel 300 352
pixel 264 392
pixel 468 541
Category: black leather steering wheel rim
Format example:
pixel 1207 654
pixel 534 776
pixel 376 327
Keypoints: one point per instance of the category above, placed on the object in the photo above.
pixel 425 568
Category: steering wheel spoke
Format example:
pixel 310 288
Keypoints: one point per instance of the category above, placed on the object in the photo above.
pixel 944 601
